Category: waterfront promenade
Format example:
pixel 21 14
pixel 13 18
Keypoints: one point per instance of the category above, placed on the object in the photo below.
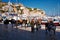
pixel 22 33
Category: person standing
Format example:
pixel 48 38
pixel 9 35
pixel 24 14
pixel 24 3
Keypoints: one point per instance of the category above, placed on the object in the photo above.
pixel 32 25
pixel 50 26
pixel 6 22
pixel 38 24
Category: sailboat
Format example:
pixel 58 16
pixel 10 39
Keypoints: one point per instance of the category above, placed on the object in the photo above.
pixel 56 18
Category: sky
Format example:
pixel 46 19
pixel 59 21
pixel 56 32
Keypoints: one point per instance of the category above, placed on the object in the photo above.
pixel 51 7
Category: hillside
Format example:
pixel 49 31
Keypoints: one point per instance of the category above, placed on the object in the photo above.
pixel 2 4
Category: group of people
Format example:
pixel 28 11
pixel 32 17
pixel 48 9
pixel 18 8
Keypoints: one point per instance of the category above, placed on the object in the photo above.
pixel 36 24
pixel 48 26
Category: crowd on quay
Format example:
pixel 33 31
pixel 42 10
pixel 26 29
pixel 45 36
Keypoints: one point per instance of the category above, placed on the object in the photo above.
pixel 35 24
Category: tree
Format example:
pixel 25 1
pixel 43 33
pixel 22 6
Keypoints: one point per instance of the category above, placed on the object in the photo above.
pixel 35 8
pixel 30 9
pixel 18 7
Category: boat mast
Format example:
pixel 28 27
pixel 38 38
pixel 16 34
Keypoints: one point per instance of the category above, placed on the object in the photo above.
pixel 54 11
pixel 58 9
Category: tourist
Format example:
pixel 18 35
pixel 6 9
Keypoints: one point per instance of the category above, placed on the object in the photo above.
pixel 38 24
pixel 32 25
pixel 50 26
pixel 13 22
pixel 6 22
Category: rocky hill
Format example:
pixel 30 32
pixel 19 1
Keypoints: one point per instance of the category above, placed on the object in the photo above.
pixel 2 4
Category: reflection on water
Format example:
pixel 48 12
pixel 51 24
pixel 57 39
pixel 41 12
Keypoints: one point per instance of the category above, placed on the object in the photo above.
pixel 50 37
pixel 6 33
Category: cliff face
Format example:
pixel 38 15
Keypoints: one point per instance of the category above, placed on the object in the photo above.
pixel 21 9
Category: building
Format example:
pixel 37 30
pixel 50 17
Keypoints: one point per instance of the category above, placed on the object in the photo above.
pixel 21 9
